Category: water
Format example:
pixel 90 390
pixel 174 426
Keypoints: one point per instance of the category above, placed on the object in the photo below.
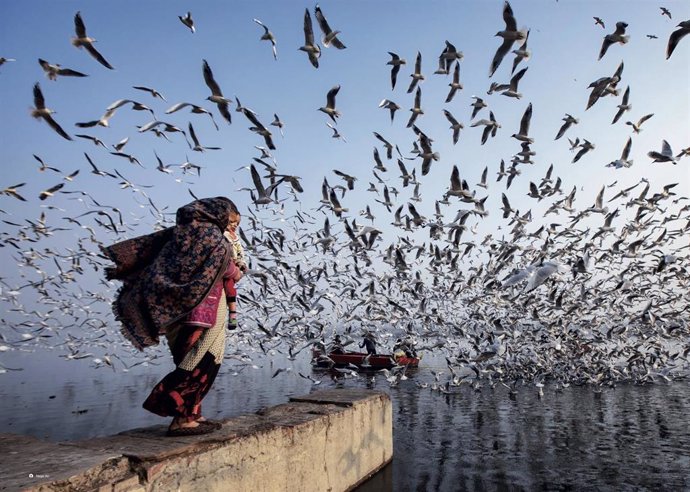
pixel 623 438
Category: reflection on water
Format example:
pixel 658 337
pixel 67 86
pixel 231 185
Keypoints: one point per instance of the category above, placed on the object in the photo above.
pixel 623 438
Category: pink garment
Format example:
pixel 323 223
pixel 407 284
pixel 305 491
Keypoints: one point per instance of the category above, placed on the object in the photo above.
pixel 204 314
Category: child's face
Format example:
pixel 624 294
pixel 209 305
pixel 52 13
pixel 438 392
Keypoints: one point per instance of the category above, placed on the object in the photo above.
pixel 234 222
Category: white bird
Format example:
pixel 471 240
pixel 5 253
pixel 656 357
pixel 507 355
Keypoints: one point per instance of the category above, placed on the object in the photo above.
pixel 330 37
pixel 268 36
pixel 310 47
pixel 623 106
pixel 666 154
pixel 83 41
pixel 569 121
pixel 636 126
pixel 455 125
pixel 329 109
pixel 216 94
pixel 390 106
pixel 40 111
pixel 618 36
pixel 455 85
pixel 623 161
pixel 417 108
pixel 53 70
pixel 417 74
pixel 396 63
pixel 524 126
pixel 512 90
pixel 510 34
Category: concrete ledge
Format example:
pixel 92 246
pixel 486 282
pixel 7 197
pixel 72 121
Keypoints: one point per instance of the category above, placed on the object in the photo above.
pixel 329 440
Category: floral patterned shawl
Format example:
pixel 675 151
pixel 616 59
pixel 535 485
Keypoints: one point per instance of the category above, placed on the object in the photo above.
pixel 167 273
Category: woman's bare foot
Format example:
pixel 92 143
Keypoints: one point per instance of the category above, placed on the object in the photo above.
pixel 179 423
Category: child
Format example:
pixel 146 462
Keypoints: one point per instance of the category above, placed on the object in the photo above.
pixel 232 236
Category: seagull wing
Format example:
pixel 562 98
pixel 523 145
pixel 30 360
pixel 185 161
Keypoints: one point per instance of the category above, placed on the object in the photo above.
pixel 210 81
pixel 100 58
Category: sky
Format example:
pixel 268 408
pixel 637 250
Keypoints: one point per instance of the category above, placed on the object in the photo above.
pixel 149 46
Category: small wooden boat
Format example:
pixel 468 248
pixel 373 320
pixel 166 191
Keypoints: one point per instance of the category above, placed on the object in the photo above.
pixel 361 360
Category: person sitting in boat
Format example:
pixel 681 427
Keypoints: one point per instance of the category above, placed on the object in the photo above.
pixel 337 346
pixel 368 342
pixel 404 348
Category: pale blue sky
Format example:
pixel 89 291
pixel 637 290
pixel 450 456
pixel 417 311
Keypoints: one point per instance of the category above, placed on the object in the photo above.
pixel 148 45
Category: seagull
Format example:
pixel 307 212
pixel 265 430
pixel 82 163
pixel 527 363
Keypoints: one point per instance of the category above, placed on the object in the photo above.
pixel 259 128
pixel 569 121
pixel 197 146
pixel 330 37
pixel 524 126
pixel 4 60
pixel 153 92
pixel 666 12
pixel 521 53
pixel 95 170
pixel 310 47
pixel 391 106
pixel 455 85
pixel 417 108
pixel 454 124
pixel 50 191
pixel 417 74
pixel 598 21
pixel 623 106
pixel 585 147
pixel 188 21
pixel 512 90
pixel 623 161
pixel 483 183
pixel 83 41
pixel 427 154
pixel 217 94
pixel 95 140
pixel 268 36
pixel 491 126
pixel 652 36
pixel 194 109
pixel 264 194
pixel 509 35
pixel 276 122
pixel 636 126
pixel 44 166
pixel 396 62
pixel 102 121
pixel 336 133
pixel 52 71
pixel 618 36
pixel 329 109
pixel 666 154
pixel 477 106
pixel 12 191
pixel 40 111
pixel 676 36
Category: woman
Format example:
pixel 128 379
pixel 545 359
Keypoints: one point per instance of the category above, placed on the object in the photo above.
pixel 174 284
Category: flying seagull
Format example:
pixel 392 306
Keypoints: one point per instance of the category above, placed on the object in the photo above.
pixel 268 36
pixel 188 21
pixel 618 36
pixel 310 47
pixel 396 62
pixel 40 111
pixel 329 109
pixel 52 71
pixel 330 37
pixel 217 94
pixel 676 36
pixel 509 35
pixel 83 41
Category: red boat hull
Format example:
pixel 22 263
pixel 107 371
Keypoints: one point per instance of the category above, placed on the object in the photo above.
pixel 379 361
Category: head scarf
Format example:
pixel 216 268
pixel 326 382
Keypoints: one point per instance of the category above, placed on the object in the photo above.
pixel 168 273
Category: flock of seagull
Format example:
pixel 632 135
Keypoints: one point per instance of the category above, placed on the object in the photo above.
pixel 599 295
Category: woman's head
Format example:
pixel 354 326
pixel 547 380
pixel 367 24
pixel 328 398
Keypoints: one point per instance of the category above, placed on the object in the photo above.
pixel 215 210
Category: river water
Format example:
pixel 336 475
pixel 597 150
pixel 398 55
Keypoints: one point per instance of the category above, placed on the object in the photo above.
pixel 624 438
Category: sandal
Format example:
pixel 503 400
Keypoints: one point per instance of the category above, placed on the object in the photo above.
pixel 190 431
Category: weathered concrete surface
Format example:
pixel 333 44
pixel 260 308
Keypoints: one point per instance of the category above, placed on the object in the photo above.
pixel 326 441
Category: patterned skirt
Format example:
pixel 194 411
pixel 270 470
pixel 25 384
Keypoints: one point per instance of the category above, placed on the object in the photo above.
pixel 197 353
